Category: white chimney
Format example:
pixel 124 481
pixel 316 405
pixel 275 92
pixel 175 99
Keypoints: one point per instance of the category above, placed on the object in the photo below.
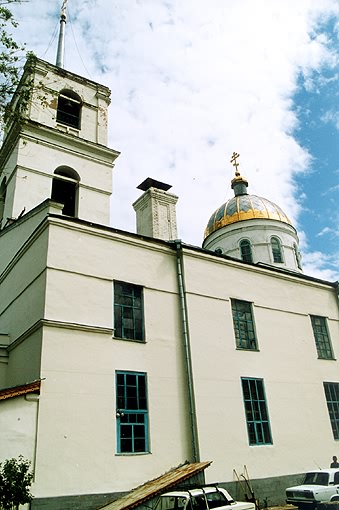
pixel 155 210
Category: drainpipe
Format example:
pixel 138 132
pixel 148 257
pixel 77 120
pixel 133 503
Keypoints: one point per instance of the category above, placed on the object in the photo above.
pixel 188 357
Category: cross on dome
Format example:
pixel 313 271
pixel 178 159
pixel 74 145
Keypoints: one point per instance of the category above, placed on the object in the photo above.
pixel 234 162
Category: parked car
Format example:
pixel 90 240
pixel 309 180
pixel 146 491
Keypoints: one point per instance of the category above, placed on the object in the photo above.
pixel 206 498
pixel 319 486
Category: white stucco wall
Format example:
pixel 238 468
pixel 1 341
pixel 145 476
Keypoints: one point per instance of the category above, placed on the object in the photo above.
pixel 18 422
pixel 80 355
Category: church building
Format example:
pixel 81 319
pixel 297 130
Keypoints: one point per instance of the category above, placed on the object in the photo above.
pixel 126 355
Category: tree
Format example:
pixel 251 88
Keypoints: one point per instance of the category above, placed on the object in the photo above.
pixel 15 483
pixel 11 54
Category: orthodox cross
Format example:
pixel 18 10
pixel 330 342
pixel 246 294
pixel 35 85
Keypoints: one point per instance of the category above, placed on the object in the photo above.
pixel 234 161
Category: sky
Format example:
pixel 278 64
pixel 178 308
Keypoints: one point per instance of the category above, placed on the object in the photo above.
pixel 192 82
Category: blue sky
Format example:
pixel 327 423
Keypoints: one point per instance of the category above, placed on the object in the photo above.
pixel 192 81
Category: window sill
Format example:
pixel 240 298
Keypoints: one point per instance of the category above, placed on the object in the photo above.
pixel 248 349
pixel 127 454
pixel 68 129
pixel 129 340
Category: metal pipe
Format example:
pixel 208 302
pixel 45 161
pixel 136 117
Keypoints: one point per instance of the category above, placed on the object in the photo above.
pixel 187 348
pixel 61 41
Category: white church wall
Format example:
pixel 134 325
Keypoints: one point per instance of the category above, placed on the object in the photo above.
pixel 18 421
pixel 24 361
pixel 80 356
pixel 287 361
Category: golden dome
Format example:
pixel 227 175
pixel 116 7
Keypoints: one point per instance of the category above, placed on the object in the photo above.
pixel 244 207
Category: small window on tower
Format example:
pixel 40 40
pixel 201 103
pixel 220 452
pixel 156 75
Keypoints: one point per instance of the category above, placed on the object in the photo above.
pixel 69 109
pixel 276 250
pixel 246 250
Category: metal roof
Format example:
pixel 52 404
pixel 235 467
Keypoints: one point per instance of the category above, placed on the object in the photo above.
pixel 157 486
pixel 23 389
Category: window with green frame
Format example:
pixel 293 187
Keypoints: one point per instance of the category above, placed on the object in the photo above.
pixel 131 412
pixel 332 399
pixel 258 425
pixel 128 311
pixel 243 324
pixel 321 336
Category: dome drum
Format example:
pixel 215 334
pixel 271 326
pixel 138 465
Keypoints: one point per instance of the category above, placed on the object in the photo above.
pixel 252 229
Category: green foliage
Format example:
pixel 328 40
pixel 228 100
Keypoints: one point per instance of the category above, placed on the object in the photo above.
pixel 15 483
pixel 11 56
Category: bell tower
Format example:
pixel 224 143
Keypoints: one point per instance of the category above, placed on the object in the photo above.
pixel 56 147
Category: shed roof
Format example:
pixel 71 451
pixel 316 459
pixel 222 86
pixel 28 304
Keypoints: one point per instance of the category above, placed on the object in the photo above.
pixel 22 389
pixel 154 487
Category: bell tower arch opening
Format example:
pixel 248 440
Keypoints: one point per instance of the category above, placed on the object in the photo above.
pixel 65 189
pixel 69 109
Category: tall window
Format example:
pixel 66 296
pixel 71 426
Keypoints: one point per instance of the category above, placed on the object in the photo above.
pixel 69 109
pixel 246 250
pixel 128 311
pixel 321 336
pixel 65 188
pixel 258 425
pixel 243 324
pixel 276 250
pixel 332 399
pixel 132 413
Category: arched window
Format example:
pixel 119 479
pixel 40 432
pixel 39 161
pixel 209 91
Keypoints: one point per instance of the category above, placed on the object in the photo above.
pixel 69 109
pixel 3 188
pixel 246 250
pixel 276 250
pixel 64 189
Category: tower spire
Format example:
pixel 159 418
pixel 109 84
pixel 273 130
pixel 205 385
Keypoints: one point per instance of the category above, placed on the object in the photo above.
pixel 61 42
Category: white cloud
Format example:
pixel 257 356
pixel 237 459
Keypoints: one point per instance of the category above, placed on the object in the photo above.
pixel 191 83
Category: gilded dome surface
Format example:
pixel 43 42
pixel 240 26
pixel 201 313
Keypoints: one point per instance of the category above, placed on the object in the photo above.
pixel 244 207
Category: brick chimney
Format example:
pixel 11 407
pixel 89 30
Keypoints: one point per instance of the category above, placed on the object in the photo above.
pixel 155 211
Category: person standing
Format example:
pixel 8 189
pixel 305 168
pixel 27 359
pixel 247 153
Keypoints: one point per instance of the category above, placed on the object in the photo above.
pixel 335 463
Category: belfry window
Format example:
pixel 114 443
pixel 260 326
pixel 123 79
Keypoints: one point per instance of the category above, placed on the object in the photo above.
pixel 276 250
pixel 64 189
pixel 69 109
pixel 246 250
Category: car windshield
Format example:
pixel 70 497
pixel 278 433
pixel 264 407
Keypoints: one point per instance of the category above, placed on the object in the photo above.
pixel 172 503
pixel 216 499
pixel 316 479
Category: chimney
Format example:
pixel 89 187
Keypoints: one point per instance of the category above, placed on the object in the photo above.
pixel 155 210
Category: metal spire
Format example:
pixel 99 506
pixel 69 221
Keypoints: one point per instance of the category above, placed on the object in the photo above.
pixel 61 42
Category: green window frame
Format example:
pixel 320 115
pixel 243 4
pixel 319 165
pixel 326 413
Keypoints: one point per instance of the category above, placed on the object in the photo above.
pixel 128 312
pixel 257 419
pixel 321 336
pixel 246 250
pixel 132 412
pixel 243 322
pixel 332 398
